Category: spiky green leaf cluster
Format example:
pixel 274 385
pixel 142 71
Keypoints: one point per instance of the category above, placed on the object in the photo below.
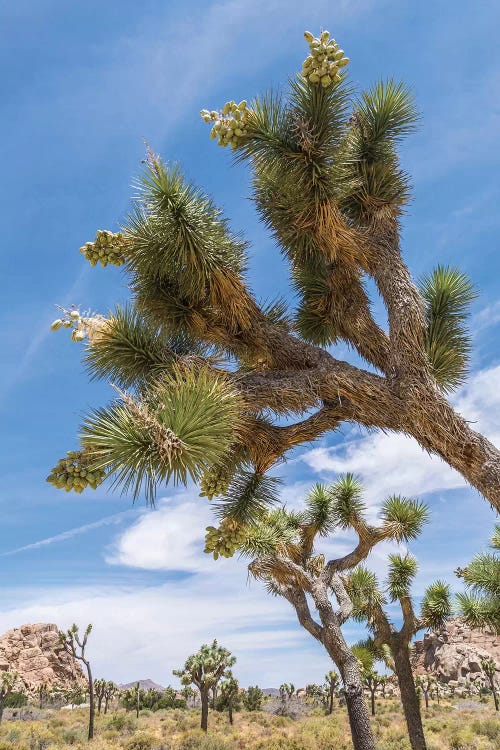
pixel 480 605
pixel 349 507
pixel 369 176
pixel 436 605
pixel 248 497
pixel 447 294
pixel 179 246
pixel 403 517
pixel 402 570
pixel 189 424
pixel 129 350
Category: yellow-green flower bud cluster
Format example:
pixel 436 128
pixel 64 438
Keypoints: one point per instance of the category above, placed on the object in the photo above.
pixel 214 482
pixel 73 320
pixel 224 541
pixel 107 248
pixel 75 472
pixel 230 125
pixel 325 60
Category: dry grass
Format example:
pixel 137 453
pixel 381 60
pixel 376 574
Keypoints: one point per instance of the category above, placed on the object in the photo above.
pixel 448 727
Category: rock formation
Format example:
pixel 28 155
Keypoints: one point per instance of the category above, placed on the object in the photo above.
pixel 35 653
pixel 453 654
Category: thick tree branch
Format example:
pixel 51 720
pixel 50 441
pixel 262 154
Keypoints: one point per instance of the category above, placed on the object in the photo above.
pixel 298 600
pixel 345 604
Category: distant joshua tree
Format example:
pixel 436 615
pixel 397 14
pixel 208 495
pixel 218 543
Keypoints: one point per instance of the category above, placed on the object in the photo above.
pixel 99 689
pixel 8 682
pixel 489 668
pixel 229 692
pixel 332 683
pixel 110 690
pixel 75 646
pixel 253 698
pixel 205 669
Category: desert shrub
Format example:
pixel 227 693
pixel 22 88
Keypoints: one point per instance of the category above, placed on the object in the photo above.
pixel 15 745
pixel 200 741
pixel 463 739
pixel 281 743
pixel 487 727
pixel 141 741
pixel 72 735
pixel 122 723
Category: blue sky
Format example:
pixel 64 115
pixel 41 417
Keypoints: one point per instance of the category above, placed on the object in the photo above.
pixel 84 85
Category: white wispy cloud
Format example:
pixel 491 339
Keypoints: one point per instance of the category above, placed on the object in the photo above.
pixel 70 533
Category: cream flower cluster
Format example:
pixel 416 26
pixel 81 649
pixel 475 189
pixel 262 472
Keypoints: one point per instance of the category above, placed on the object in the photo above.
pixel 325 61
pixel 230 124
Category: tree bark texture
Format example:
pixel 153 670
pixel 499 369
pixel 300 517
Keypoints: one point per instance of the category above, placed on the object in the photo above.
pixel 409 698
pixel 91 701
pixel 204 710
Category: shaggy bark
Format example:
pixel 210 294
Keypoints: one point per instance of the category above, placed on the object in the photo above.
pixel 329 633
pixel 409 697
pixel 204 709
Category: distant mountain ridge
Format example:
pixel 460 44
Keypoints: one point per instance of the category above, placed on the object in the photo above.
pixel 143 684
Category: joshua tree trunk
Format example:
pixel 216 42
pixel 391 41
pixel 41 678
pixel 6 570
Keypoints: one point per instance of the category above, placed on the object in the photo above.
pixel 91 700
pixel 491 679
pixel 372 696
pixel 230 709
pixel 359 720
pixel 329 633
pixel 204 709
pixel 409 697
pixel 1 708
pixel 330 703
pixel 137 699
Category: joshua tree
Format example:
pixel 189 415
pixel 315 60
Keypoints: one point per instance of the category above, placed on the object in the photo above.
pixel 281 546
pixel 229 691
pixel 99 691
pixel 110 690
pixel 480 606
pixel 371 679
pixel 332 683
pixel 253 697
pixel 188 694
pixel 286 691
pixel 205 669
pixel 43 694
pixel 368 605
pixel 317 693
pixel 383 680
pixel 206 365
pixel 425 683
pixel 75 646
pixel 8 682
pixel 489 668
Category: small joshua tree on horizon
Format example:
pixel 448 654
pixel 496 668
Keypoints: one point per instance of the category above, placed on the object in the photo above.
pixel 8 681
pixel 75 646
pixel 205 669
pixel 489 668
pixel 332 683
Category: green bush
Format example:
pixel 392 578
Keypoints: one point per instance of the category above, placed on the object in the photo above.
pixel 200 741
pixel 141 741
pixel 488 728
pixel 122 723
